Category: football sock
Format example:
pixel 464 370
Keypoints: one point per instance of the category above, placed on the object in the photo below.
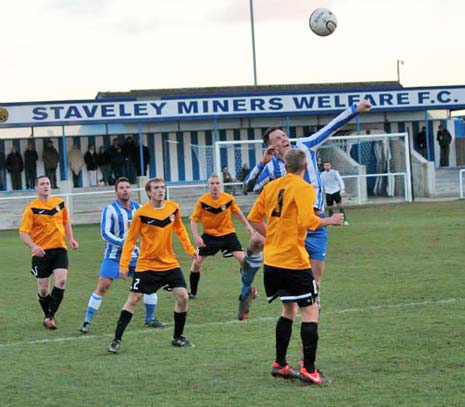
pixel 150 301
pixel 55 300
pixel 330 212
pixel 252 264
pixel 123 322
pixel 344 213
pixel 179 322
pixel 309 335
pixel 194 282
pixel 44 304
pixel 283 336
pixel 95 301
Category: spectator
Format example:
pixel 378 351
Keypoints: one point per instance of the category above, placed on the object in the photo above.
pixel 104 164
pixel 444 139
pixel 226 175
pixel 2 171
pixel 90 158
pixel 76 162
pixel 131 157
pixel 146 156
pixel 227 178
pixel 421 141
pixel 116 157
pixel 30 165
pixel 51 157
pixel 244 172
pixel 14 165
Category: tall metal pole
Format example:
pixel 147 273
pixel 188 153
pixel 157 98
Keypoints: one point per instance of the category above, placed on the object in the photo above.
pixel 253 44
pixel 399 63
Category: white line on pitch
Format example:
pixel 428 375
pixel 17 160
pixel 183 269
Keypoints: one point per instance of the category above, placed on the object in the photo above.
pixel 252 320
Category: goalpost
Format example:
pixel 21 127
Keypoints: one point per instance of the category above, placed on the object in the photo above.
pixel 374 167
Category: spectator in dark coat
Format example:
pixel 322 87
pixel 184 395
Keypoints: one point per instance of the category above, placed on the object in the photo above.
pixel 444 139
pixel 2 171
pixel 14 165
pixel 117 160
pixel 90 158
pixel 421 141
pixel 30 166
pixel 103 163
pixel 131 156
pixel 51 158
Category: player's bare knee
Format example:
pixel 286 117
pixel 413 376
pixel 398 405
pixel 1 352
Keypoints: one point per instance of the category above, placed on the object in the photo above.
pixel 43 292
pixel 182 299
pixel 60 283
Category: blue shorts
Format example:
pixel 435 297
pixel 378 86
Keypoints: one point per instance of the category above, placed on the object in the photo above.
pixel 110 269
pixel 316 242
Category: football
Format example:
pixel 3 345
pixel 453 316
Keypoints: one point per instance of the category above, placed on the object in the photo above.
pixel 322 22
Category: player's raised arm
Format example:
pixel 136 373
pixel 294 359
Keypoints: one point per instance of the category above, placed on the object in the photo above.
pixel 315 140
pixel 260 175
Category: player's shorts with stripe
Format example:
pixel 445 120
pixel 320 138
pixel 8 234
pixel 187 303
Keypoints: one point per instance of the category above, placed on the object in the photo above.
pixel 316 242
pixel 110 269
pixel 333 198
pixel 290 285
pixel 150 281
pixel 42 267
pixel 214 244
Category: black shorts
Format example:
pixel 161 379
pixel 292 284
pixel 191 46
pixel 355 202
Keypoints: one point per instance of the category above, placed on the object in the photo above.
pixel 290 285
pixel 331 198
pixel 43 267
pixel 229 243
pixel 150 281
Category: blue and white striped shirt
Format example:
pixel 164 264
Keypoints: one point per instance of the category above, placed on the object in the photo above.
pixel 114 227
pixel 276 169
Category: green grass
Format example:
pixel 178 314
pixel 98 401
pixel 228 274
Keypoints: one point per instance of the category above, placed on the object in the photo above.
pixel 391 334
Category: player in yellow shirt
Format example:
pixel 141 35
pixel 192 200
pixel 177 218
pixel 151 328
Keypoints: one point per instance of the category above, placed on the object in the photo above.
pixel 287 205
pixel 157 265
pixel 44 226
pixel 214 210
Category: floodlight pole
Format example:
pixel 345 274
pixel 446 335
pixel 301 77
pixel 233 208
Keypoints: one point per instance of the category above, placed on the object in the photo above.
pixel 253 44
pixel 399 63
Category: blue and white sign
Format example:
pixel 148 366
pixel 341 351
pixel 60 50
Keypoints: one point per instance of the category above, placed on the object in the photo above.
pixel 310 103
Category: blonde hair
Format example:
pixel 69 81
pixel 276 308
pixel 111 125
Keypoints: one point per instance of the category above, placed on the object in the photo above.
pixel 295 160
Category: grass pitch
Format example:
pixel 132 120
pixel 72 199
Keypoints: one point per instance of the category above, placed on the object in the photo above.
pixel 391 332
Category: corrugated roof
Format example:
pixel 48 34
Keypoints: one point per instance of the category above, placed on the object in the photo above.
pixel 153 93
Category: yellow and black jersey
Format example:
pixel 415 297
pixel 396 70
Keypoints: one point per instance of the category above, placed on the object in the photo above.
pixel 215 214
pixel 287 205
pixel 44 222
pixel 155 226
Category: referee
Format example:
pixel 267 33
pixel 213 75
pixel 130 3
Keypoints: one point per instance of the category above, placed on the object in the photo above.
pixel 334 188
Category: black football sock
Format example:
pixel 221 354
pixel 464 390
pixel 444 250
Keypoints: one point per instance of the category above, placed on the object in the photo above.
pixel 344 213
pixel 309 335
pixel 123 322
pixel 179 322
pixel 45 304
pixel 283 337
pixel 55 300
pixel 194 282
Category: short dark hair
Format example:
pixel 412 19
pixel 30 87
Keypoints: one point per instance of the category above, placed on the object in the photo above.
pixel 40 177
pixel 266 135
pixel 120 180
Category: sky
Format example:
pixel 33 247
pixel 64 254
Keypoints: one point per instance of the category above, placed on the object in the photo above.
pixel 72 49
